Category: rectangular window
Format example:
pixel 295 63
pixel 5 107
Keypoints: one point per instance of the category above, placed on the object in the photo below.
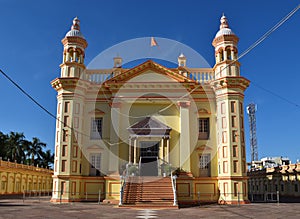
pixel 235 166
pixel 233 106
pixel 236 189
pixel 224 151
pixel 95 161
pixel 234 136
pixel 235 151
pixel 75 151
pixel 296 187
pixel 63 187
pixel 65 135
pixel 204 165
pixel 73 188
pixel 241 109
pixel 96 128
pixel 233 121
pixel 67 105
pixel 282 187
pixel 66 121
pixel 74 166
pixel 64 150
pixel 203 128
pixel 242 122
pixel 63 165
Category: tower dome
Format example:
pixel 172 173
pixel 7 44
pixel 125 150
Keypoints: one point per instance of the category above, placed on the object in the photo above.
pixel 75 29
pixel 224 27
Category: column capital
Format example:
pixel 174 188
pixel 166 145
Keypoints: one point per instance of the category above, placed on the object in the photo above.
pixel 115 104
pixel 184 104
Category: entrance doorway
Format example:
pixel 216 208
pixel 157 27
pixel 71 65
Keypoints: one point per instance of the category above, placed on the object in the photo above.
pixel 148 156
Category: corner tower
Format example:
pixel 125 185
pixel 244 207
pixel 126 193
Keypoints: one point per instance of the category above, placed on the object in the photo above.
pixel 74 52
pixel 69 125
pixel 229 88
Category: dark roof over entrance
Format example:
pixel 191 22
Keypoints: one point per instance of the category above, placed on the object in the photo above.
pixel 149 126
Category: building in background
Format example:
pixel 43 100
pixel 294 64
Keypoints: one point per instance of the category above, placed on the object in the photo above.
pixel 272 175
pixel 15 179
pixel 139 121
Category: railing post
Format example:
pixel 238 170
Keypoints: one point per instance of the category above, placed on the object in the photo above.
pixel 86 196
pixel 173 178
pixel 23 196
pixel 198 198
pixel 122 179
pixel 277 193
pixel 238 194
pixel 99 197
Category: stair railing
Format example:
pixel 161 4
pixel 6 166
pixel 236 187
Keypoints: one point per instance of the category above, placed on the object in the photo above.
pixel 173 179
pixel 123 184
pixel 140 165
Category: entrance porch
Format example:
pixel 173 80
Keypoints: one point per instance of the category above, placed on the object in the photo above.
pixel 149 146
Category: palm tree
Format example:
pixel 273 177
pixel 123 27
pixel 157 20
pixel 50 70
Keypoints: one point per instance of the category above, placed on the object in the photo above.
pixel 34 149
pixel 47 159
pixel 3 144
pixel 15 146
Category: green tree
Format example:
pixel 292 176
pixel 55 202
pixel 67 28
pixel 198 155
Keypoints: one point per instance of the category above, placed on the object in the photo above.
pixel 47 159
pixel 34 149
pixel 3 145
pixel 15 149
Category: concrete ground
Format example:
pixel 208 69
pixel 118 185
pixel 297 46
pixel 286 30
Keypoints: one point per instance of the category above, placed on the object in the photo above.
pixel 15 208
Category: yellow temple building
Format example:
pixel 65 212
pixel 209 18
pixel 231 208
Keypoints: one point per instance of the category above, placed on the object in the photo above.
pixel 123 129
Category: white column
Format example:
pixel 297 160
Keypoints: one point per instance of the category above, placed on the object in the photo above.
pixel 129 150
pixel 114 138
pixel 232 55
pixel 185 135
pixel 168 150
pixel 161 149
pixel 134 150
pixel 225 55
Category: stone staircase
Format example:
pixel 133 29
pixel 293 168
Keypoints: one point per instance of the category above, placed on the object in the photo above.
pixel 148 192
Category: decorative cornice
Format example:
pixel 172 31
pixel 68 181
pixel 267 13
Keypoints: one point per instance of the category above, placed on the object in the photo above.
pixel 230 82
pixel 69 83
pixel 184 104
pixel 76 40
pixel 225 38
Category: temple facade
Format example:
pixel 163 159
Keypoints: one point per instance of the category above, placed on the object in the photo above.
pixel 150 121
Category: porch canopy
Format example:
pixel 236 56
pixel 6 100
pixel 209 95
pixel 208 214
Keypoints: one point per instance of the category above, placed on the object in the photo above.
pixel 149 127
pixel 154 131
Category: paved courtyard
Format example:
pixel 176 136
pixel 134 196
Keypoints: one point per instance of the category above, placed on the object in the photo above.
pixel 11 208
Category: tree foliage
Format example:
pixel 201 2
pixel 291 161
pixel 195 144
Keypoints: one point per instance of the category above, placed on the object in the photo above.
pixel 14 147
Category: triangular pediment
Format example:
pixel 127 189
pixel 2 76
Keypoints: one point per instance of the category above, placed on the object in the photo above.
pixel 94 147
pixel 149 126
pixel 96 112
pixel 148 66
pixel 203 148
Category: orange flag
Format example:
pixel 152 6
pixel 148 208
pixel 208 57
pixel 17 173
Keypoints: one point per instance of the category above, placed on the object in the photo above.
pixel 153 42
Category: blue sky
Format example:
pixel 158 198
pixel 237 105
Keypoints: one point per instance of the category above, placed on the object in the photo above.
pixel 31 51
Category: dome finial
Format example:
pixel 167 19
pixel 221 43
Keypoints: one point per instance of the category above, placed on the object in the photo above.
pixel 76 24
pixel 224 22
